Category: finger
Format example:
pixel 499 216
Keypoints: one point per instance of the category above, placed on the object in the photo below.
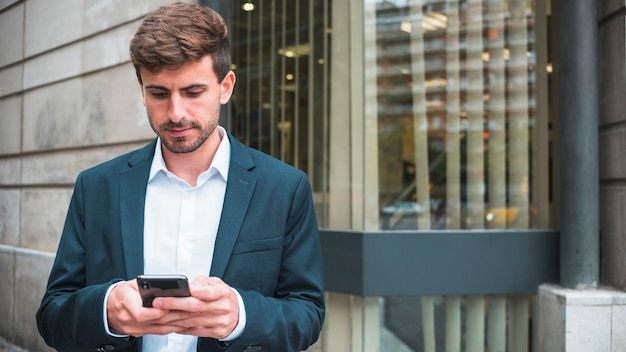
pixel 174 317
pixel 207 280
pixel 185 304
pixel 210 289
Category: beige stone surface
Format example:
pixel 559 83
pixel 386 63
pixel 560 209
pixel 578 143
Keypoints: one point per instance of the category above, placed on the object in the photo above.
pixel 103 50
pixel 10 169
pixel 107 49
pixel 113 107
pixel 612 94
pixel 612 161
pixel 50 24
pixel 12 21
pixel 10 117
pixel 101 108
pixel 11 78
pixel 9 217
pixel 618 336
pixel 43 213
pixel 588 328
pixel 613 236
pixel 31 276
pixel 64 166
pixel 7 291
pixel 54 66
pixel 549 320
pixel 580 320
pixel 51 116
pixel 103 14
pixel 6 3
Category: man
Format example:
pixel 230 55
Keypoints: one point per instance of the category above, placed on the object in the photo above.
pixel 195 201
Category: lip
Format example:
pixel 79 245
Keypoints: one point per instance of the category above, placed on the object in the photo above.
pixel 179 132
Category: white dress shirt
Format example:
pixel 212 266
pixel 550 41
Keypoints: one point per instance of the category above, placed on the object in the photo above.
pixel 180 228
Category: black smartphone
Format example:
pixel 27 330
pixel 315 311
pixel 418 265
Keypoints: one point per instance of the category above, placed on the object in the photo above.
pixel 151 286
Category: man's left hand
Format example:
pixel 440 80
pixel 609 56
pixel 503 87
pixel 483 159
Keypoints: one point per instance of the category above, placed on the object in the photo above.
pixel 213 304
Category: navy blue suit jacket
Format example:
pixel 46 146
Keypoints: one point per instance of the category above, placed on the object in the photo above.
pixel 267 247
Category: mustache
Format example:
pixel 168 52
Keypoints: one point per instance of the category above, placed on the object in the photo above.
pixel 182 124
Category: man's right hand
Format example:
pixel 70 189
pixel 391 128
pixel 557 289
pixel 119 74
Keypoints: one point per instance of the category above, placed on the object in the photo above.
pixel 127 316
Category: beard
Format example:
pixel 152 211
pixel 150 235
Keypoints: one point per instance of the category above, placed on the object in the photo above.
pixel 186 144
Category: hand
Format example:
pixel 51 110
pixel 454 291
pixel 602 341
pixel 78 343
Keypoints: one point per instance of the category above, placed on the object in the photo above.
pixel 126 314
pixel 211 311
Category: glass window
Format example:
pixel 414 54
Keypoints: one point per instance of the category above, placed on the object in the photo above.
pixel 279 55
pixel 463 136
pixel 453 93
pixel 458 117
pixel 280 103
pixel 406 115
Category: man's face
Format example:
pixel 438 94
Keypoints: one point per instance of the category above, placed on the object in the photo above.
pixel 183 105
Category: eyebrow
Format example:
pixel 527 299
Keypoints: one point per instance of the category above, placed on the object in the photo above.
pixel 191 86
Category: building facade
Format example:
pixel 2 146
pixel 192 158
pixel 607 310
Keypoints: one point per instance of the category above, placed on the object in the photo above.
pixel 431 131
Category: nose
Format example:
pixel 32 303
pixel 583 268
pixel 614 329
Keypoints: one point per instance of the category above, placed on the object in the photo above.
pixel 176 111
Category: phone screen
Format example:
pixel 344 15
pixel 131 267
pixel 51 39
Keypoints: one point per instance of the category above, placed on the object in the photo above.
pixel 151 286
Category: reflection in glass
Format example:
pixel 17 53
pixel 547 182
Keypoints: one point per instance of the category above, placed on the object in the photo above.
pixel 280 102
pixel 456 114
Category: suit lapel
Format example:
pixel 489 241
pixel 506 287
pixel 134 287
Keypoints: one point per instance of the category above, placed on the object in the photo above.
pixel 239 190
pixel 133 183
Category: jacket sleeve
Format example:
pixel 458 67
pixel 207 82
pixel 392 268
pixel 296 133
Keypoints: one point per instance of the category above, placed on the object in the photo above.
pixel 70 317
pixel 291 318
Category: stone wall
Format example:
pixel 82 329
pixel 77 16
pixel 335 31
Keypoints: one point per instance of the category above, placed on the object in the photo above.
pixel 580 320
pixel 612 61
pixel 68 100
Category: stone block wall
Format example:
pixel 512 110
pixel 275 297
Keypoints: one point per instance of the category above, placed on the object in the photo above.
pixel 612 100
pixel 580 320
pixel 69 99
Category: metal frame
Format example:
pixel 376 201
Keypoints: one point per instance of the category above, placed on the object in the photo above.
pixel 439 262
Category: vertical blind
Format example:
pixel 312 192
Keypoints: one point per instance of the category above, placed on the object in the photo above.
pixel 457 82
pixel 281 98
pixel 456 114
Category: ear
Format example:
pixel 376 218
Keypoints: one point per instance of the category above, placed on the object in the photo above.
pixel 140 81
pixel 227 85
pixel 143 92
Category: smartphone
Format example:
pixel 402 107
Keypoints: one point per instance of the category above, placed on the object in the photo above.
pixel 151 286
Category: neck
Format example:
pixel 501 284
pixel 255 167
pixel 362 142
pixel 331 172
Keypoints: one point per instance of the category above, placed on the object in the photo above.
pixel 188 166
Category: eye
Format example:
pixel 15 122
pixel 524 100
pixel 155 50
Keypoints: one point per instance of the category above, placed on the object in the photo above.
pixel 158 94
pixel 194 93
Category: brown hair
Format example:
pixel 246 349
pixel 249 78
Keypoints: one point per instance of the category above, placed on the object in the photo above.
pixel 175 34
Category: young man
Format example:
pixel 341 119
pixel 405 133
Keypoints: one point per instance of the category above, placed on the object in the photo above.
pixel 195 201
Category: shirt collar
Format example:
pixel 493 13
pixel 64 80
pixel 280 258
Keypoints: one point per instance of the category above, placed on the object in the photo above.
pixel 220 163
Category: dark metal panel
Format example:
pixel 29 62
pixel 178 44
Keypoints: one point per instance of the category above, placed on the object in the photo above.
pixel 343 261
pixel 439 262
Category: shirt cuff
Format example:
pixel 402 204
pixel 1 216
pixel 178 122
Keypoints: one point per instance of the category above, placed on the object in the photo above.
pixel 242 320
pixel 108 330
